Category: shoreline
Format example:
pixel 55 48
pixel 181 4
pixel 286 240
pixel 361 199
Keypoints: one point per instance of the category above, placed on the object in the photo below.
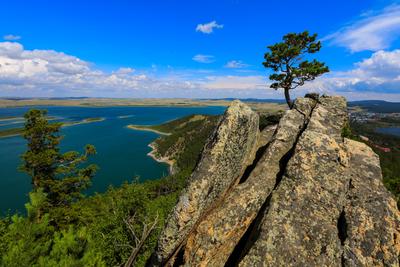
pixel 144 128
pixel 152 154
pixel 65 124
pixel 84 121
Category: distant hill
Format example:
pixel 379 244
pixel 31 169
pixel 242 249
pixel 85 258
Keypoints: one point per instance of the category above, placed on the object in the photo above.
pixel 278 101
pixel 378 106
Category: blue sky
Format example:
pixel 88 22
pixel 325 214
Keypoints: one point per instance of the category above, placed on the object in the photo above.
pixel 192 48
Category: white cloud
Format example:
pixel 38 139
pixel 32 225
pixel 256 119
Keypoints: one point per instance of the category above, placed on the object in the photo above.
pixel 124 71
pixel 377 76
pixel 203 58
pixel 208 28
pixel 233 82
pixel 48 73
pixel 235 64
pixel 11 37
pixel 373 32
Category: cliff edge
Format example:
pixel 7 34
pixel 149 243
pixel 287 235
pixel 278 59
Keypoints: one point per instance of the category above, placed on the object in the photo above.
pixel 292 194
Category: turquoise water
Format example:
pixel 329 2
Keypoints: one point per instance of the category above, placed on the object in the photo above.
pixel 121 152
pixel 392 131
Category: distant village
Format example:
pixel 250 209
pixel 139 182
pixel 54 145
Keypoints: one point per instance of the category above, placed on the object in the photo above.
pixel 369 117
pixel 361 117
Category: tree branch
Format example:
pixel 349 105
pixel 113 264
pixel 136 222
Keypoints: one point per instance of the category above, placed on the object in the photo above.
pixel 147 229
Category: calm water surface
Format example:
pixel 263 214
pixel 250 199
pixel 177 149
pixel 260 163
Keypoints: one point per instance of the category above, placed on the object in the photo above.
pixel 392 131
pixel 121 152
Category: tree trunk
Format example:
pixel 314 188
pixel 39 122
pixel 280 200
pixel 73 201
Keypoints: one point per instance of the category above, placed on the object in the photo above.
pixel 287 97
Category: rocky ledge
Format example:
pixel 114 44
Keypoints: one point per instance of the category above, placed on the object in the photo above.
pixel 293 194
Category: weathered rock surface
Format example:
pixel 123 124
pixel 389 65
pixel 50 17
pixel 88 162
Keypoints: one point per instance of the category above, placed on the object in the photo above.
pixel 300 225
pixel 217 235
pixel 296 194
pixel 371 215
pixel 223 162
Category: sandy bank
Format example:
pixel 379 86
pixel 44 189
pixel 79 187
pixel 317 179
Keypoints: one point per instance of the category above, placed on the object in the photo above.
pixel 144 128
pixel 153 155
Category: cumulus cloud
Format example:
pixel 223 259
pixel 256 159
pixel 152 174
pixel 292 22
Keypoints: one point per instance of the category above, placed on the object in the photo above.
pixel 208 28
pixel 48 73
pixel 235 64
pixel 203 58
pixel 375 77
pixel 11 37
pixel 374 31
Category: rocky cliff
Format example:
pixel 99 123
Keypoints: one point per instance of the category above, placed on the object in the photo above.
pixel 292 194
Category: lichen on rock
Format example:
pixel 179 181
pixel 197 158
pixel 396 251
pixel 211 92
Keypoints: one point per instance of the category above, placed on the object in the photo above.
pixel 294 194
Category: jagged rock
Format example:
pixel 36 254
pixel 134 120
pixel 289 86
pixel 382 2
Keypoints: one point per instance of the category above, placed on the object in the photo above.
pixel 299 227
pixel 298 194
pixel 223 161
pixel 371 219
pixel 216 237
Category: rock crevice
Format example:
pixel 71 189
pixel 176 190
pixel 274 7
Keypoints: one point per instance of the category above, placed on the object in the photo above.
pixel 294 194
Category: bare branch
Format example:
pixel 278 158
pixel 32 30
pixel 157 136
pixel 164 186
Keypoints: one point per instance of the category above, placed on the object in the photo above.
pixel 147 229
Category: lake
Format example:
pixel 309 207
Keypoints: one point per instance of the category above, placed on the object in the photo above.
pixel 391 130
pixel 121 152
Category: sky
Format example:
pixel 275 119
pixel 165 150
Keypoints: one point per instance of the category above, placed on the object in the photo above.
pixel 192 49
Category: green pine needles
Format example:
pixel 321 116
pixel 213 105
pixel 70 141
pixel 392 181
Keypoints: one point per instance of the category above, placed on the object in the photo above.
pixel 59 176
pixel 286 59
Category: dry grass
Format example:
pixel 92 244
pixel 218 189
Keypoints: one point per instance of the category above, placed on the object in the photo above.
pixel 107 102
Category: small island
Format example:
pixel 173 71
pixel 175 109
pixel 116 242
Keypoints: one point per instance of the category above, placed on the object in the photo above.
pixel 18 131
pixel 84 121
pixel 10 132
pixel 10 118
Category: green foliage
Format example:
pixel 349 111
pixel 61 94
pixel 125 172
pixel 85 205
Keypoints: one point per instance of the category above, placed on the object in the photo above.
pixel 286 59
pixel 346 131
pixel 188 136
pixel 92 231
pixel 59 176
pixel 267 119
pixel 28 243
pixel 38 203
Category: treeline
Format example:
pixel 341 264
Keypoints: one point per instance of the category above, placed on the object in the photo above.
pixel 188 136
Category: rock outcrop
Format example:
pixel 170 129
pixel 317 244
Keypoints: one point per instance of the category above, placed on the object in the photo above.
pixel 294 194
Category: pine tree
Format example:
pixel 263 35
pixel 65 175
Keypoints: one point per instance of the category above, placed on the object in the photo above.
pixel 286 59
pixel 59 176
